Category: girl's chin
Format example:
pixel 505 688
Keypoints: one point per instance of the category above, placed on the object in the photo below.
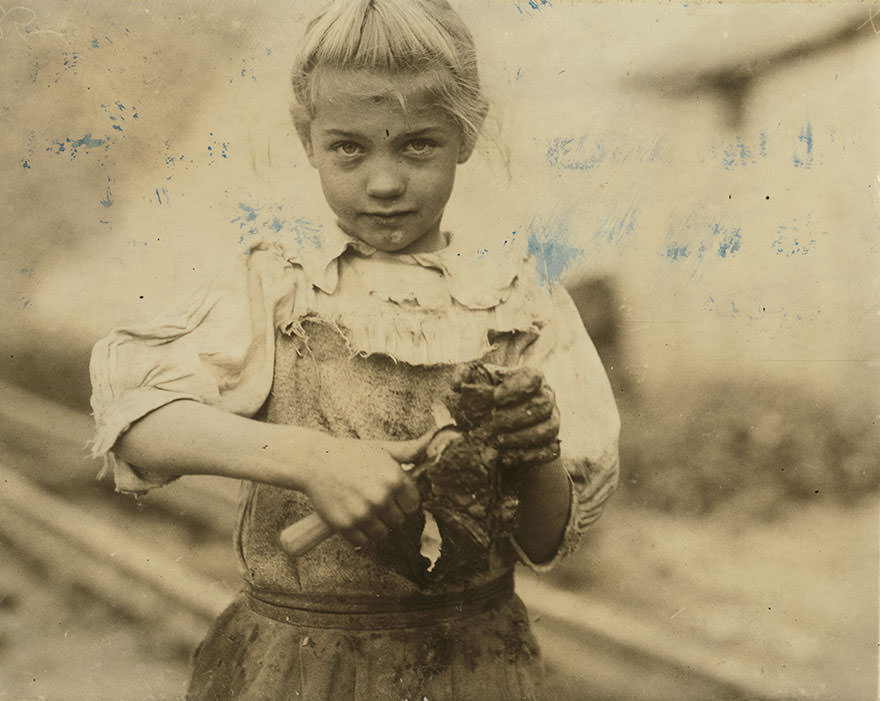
pixel 388 240
pixel 394 239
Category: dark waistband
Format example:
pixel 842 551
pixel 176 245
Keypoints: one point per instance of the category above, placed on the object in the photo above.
pixel 380 612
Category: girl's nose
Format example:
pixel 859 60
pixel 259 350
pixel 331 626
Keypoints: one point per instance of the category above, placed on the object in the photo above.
pixel 386 181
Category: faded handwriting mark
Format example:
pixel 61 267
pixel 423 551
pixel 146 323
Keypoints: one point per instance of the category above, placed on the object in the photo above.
pixel 20 18
pixel 872 15
pixel 16 16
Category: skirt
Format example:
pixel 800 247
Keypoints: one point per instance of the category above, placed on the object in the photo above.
pixel 260 648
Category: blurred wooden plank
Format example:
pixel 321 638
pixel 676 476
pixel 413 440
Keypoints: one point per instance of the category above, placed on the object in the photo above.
pixel 607 646
pixel 55 440
pixel 92 546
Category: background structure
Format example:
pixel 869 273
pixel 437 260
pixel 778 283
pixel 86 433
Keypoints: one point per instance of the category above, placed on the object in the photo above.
pixel 703 177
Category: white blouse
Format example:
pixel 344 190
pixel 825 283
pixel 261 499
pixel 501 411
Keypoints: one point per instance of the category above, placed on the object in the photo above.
pixel 422 309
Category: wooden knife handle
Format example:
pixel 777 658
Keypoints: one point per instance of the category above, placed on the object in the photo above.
pixel 307 533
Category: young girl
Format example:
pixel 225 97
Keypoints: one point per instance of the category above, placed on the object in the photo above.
pixel 309 371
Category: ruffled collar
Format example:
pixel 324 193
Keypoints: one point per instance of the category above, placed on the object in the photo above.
pixel 476 280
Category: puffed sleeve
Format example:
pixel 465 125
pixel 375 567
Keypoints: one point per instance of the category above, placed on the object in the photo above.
pixel 217 348
pixel 589 421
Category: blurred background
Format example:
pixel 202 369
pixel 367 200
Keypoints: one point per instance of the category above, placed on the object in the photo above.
pixel 702 177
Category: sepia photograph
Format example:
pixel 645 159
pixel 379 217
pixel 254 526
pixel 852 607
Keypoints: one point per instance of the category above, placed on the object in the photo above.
pixel 433 350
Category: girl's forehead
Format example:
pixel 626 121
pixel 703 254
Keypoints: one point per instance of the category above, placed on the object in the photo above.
pixel 413 90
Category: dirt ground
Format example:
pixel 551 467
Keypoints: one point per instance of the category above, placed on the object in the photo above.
pixel 796 597
pixel 60 645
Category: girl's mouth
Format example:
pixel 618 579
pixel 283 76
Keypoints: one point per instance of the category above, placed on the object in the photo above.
pixel 387 217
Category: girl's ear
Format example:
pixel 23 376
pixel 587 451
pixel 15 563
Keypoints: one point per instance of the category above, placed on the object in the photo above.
pixel 465 149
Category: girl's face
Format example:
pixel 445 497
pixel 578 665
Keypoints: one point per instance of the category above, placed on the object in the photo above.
pixel 386 157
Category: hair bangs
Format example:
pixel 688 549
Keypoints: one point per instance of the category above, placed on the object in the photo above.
pixel 391 36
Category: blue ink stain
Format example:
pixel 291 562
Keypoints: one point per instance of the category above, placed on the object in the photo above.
pixel 548 244
pixel 107 201
pixel 73 145
pixel 616 230
pixel 674 252
pixel 805 160
pixel 26 164
pixel 116 127
pixel 304 232
pixel 533 6
pixel 161 195
pixel 763 144
pixel 795 243
pixel 27 271
pixel 572 154
pixel 250 211
pixel 268 52
pixel 70 60
pixel 518 73
pixel 731 240
pixel 25 302
pixel 94 43
pixel 87 142
pixel 736 154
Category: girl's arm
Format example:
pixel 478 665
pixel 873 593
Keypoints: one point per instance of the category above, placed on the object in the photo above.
pixel 545 501
pixel 356 486
pixel 561 496
pixel 170 397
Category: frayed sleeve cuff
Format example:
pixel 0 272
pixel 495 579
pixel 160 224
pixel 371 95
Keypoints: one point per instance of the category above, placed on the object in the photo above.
pixel 131 407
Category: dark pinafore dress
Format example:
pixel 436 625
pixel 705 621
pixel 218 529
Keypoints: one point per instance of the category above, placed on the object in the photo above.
pixel 340 623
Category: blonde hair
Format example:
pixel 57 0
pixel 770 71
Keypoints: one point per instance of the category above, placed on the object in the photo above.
pixel 394 36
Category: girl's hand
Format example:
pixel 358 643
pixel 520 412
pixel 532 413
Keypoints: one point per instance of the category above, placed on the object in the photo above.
pixel 525 420
pixel 360 488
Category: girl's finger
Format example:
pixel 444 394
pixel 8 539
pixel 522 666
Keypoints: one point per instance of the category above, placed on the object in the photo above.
pixel 539 408
pixel 374 529
pixel 532 436
pixel 356 537
pixel 392 515
pixel 517 386
pixel 517 458
pixel 408 498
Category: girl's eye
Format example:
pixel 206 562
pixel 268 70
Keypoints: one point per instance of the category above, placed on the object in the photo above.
pixel 420 147
pixel 347 149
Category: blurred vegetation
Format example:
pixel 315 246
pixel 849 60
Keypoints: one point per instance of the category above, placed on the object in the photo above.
pixel 692 448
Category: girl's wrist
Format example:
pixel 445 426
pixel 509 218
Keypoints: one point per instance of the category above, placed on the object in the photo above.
pixel 290 457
